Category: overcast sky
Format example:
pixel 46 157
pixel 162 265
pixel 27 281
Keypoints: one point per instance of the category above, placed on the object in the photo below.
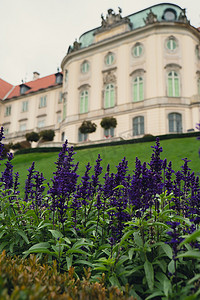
pixel 35 34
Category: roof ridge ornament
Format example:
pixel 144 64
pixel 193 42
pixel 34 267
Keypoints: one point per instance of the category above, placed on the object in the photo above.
pixel 182 17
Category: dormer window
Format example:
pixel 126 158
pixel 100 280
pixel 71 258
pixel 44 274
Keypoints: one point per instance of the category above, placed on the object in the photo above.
pixel 169 15
pixel 59 77
pixel 23 88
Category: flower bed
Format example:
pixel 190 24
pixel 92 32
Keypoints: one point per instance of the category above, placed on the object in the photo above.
pixel 139 229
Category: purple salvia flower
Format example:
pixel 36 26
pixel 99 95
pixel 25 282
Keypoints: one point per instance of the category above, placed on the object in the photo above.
pixel 97 172
pixel 7 175
pixel 1 145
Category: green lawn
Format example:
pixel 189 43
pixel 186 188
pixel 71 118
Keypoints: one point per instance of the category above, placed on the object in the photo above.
pixel 173 149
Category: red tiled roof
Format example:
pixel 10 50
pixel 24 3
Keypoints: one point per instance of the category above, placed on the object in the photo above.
pixel 34 86
pixel 5 87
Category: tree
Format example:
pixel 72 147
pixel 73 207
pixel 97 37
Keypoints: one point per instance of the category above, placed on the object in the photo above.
pixel 32 137
pixel 108 122
pixel 47 135
pixel 87 127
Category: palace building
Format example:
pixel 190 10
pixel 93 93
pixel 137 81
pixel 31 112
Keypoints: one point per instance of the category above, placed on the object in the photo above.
pixel 142 69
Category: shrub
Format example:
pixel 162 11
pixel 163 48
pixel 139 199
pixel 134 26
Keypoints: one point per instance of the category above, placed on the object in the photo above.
pixel 87 127
pixel 108 122
pixel 32 137
pixel 47 135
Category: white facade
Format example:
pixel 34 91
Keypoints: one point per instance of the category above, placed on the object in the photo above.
pixel 143 70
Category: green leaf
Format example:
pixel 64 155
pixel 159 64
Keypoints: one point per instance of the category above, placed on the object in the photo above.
pixel 154 295
pixel 23 235
pixel 149 272
pixel 190 238
pixel 167 249
pixel 84 262
pixel 191 254
pixel 126 236
pixel 43 245
pixel 67 240
pixel 167 286
pixel 138 239
pixel 2 245
pixel 130 253
pixel 56 234
pixel 69 261
pixel 114 281
pixel 171 267
pixel 2 233
pixel 79 251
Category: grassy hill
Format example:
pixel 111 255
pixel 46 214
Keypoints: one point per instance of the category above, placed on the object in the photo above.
pixel 173 149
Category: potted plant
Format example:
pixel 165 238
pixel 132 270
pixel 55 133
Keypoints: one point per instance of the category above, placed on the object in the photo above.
pixel 108 123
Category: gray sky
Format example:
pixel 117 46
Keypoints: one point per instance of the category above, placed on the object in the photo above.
pixel 35 34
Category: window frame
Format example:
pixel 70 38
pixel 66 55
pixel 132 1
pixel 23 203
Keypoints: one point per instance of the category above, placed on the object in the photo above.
pixel 85 67
pixel 170 42
pixel 173 84
pixel 172 124
pixel 137 50
pixel 109 59
pixel 138 88
pixel 82 137
pixel 24 106
pixel 109 95
pixel 43 101
pixel 84 101
pixel 8 110
pixel 140 130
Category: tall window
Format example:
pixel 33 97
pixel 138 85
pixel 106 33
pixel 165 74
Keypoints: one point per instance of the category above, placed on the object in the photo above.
pixel 175 122
pixel 82 137
pixel 60 97
pixel 85 67
pixel 84 102
pixel 64 108
pixel 43 101
pixel 41 123
pixel 66 75
pixel 109 96
pixel 24 106
pixel 173 84
pixel 138 89
pixel 22 127
pixel 8 110
pixel 138 125
pixel 109 132
pixel 198 86
pixel 63 136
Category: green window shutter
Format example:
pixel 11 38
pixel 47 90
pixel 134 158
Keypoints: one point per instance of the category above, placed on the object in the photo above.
pixel 106 98
pixel 81 105
pixel 86 104
pixel 135 98
pixel 176 87
pixel 141 125
pixel 170 88
pixel 112 96
pixel 141 91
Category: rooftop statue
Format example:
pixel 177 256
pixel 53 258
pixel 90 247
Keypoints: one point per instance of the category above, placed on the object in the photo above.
pixel 111 18
pixel 151 18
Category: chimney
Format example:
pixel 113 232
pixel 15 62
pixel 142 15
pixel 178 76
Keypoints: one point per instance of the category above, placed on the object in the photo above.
pixel 36 75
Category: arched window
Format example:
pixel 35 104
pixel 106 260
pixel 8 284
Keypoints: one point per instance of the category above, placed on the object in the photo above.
pixel 173 84
pixel 84 102
pixel 138 89
pixel 175 122
pixel 109 95
pixel 138 125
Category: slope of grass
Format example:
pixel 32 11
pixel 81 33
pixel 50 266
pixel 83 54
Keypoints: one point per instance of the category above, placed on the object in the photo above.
pixel 173 149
